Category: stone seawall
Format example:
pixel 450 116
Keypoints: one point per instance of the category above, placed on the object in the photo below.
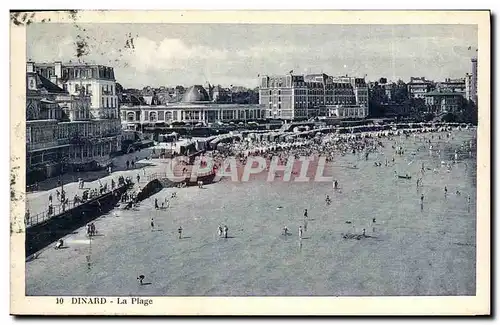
pixel 159 181
pixel 44 233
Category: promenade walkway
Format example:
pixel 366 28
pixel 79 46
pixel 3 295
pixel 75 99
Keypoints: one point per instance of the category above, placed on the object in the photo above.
pixel 37 203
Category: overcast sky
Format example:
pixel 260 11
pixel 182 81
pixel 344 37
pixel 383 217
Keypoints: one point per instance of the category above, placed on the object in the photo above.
pixel 187 54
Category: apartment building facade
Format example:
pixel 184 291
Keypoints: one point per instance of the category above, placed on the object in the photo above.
pixel 300 97
pixel 418 87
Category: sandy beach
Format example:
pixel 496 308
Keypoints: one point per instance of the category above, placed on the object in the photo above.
pixel 409 250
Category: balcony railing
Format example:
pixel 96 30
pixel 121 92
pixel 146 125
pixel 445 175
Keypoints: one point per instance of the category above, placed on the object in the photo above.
pixel 46 144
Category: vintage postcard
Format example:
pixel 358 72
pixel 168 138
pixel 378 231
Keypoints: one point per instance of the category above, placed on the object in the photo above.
pixel 250 163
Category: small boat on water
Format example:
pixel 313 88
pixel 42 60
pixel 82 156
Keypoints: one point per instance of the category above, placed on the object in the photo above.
pixel 404 176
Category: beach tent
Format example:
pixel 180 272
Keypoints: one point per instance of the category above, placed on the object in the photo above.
pixel 171 137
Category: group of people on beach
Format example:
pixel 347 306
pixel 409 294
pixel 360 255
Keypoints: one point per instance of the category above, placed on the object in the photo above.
pixel 222 231
pixel 91 230
pixel 87 194
pixel 131 163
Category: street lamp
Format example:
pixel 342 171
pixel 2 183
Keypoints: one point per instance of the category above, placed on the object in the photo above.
pixel 61 182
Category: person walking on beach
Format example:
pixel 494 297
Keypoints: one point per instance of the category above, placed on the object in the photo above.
pixel 156 204
pixel 180 232
pixel 421 201
pixel 305 213
pixel 127 164
pixel 59 244
pixel 138 178
pixel 327 200
pixel 285 230
pixel 300 232
pixel 27 217
pixel 225 231
pixel 50 197
pixel 219 230
pixel 445 191
pixel 152 225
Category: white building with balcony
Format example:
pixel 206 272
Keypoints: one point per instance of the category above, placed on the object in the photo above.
pixel 61 133
pixel 95 81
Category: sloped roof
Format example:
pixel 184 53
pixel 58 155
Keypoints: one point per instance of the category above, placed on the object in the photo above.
pixel 48 85
pixel 195 93
pixel 43 83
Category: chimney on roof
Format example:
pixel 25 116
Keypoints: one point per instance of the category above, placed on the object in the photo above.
pixel 30 66
pixel 58 69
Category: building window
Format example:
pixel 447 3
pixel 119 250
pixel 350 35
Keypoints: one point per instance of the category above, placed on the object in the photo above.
pixel 102 100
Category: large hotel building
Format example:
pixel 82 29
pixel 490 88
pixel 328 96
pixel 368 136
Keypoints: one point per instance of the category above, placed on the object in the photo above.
pixel 301 97
pixel 72 118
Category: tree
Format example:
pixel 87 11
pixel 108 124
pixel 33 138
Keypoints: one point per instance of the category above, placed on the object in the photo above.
pixel 468 113
pixel 449 117
pixel 119 88
pixel 428 117
pixel 418 104
pixel 401 92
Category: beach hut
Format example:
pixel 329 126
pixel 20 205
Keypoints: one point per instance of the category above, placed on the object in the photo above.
pixel 171 137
